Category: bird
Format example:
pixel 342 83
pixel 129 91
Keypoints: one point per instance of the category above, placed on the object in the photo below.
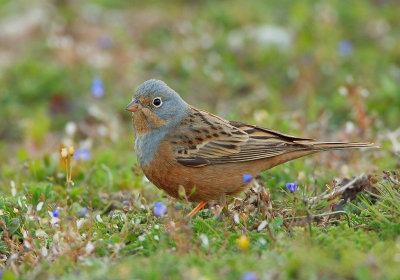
pixel 178 145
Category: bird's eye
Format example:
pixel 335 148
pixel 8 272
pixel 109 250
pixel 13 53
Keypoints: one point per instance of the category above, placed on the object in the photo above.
pixel 157 102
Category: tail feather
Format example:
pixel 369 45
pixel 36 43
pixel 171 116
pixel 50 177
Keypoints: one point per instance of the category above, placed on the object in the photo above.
pixel 325 146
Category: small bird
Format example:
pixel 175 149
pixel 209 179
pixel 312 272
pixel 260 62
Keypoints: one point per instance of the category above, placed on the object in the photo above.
pixel 180 145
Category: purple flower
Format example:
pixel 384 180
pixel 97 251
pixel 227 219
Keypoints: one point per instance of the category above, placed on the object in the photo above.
pixel 345 47
pixel 250 275
pixel 82 154
pixel 83 211
pixel 56 213
pixel 97 88
pixel 292 187
pixel 104 42
pixel 247 178
pixel 160 209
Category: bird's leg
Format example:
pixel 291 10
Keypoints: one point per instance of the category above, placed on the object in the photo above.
pixel 222 204
pixel 197 209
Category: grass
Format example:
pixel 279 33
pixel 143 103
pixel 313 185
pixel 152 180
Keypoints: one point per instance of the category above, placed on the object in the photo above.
pixel 323 70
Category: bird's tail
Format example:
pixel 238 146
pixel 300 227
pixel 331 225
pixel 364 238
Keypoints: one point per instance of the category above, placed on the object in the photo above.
pixel 306 148
pixel 326 146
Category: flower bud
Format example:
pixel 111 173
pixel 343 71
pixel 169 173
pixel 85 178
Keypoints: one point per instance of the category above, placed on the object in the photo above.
pixel 64 153
pixel 71 151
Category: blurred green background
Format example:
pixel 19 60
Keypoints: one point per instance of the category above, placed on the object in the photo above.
pixel 329 70
pixel 310 68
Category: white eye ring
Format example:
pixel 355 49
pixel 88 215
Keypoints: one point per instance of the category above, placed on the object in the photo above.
pixel 157 102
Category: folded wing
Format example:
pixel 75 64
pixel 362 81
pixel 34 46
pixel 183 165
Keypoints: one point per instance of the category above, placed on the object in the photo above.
pixel 203 139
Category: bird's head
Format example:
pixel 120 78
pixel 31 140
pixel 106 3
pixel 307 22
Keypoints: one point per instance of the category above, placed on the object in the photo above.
pixel 155 105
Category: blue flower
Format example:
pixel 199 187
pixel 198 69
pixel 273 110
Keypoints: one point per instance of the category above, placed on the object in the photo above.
pixel 83 211
pixel 247 178
pixel 292 187
pixel 82 154
pixel 250 275
pixel 97 88
pixel 56 213
pixel 345 47
pixel 160 209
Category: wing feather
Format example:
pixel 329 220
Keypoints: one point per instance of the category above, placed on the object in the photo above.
pixel 203 138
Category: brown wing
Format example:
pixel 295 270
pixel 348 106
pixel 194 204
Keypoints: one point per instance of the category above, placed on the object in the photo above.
pixel 203 138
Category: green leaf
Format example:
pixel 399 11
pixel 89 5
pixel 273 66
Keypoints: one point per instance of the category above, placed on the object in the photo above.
pixel 22 155
pixel 277 222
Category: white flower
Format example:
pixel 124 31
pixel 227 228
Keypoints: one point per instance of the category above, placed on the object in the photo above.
pixel 70 128
pixel 56 237
pixel 54 220
pixel 262 225
pixel 13 189
pixel 89 247
pixel 80 222
pixel 27 244
pixel 39 206
pixel 45 252
pixel 262 241
pixel 236 218
pixel 40 233
pixel 204 241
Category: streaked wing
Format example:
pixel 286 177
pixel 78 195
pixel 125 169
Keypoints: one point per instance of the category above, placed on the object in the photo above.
pixel 203 138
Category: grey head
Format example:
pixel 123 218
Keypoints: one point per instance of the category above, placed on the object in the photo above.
pixel 156 109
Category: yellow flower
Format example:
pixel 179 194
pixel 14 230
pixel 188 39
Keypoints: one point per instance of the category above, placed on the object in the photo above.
pixel 64 153
pixel 243 242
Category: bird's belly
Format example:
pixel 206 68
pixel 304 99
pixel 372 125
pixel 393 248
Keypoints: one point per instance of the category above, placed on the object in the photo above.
pixel 200 183
pixel 208 182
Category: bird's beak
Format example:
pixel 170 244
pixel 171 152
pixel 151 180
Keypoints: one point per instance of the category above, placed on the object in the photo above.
pixel 134 106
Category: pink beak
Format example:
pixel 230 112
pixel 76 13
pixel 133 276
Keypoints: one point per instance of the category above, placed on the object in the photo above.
pixel 134 106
